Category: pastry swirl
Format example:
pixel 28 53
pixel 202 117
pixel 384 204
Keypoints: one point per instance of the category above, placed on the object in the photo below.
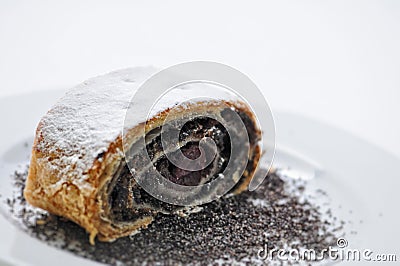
pixel 78 168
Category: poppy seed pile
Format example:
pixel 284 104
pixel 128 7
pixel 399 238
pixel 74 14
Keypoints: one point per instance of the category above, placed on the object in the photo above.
pixel 230 230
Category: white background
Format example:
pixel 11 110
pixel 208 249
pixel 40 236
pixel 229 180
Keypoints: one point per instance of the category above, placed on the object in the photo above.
pixel 336 61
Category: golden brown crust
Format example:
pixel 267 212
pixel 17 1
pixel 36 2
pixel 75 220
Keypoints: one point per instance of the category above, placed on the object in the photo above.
pixel 84 203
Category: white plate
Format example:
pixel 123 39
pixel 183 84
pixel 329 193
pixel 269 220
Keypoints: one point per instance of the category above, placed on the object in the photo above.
pixel 361 180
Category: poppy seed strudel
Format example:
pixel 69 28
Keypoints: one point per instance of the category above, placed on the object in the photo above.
pixel 78 169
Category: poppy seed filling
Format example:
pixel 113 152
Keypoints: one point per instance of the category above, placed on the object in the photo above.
pixel 128 201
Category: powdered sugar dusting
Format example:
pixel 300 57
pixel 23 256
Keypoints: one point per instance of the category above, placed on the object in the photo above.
pixel 87 119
